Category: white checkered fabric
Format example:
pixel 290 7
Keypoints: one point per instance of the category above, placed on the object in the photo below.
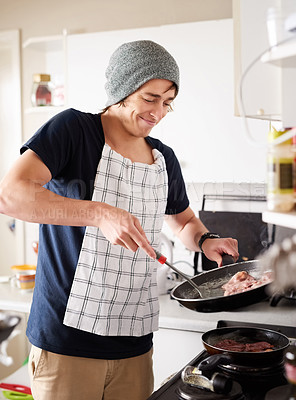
pixel 114 291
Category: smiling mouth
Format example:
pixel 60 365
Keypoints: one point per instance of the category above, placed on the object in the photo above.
pixel 151 123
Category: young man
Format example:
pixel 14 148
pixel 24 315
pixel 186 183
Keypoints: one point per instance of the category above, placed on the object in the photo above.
pixel 100 187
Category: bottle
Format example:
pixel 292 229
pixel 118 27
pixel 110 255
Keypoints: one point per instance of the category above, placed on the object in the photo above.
pixel 290 368
pixel 41 90
pixel 280 193
pixel 294 166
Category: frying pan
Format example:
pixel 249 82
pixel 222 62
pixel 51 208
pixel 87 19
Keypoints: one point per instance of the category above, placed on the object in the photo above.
pixel 213 299
pixel 243 335
pixel 7 325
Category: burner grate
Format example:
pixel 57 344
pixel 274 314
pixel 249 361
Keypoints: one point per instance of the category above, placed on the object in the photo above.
pixel 254 388
pixel 187 392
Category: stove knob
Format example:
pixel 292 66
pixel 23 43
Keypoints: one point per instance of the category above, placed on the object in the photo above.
pixel 221 383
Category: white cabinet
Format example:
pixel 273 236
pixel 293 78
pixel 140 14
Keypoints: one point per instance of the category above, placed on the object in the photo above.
pixel 261 84
pixel 283 219
pixel 267 92
pixel 269 75
pixel 42 55
pixel 173 350
pixel 284 56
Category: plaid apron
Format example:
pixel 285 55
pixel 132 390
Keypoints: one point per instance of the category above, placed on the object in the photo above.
pixel 114 291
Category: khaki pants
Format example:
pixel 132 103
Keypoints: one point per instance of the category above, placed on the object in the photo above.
pixel 57 377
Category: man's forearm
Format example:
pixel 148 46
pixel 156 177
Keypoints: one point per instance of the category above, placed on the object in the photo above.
pixel 31 202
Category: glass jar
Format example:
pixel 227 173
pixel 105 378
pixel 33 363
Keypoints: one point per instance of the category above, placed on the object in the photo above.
pixel 41 90
pixel 280 159
pixel 294 166
pixel 290 368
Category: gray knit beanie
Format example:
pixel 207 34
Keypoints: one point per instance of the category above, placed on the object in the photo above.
pixel 135 63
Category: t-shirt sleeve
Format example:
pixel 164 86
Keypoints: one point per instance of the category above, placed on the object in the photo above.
pixel 177 196
pixel 55 142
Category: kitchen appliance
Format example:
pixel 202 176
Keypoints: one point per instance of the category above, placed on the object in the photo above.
pixel 243 336
pixel 7 325
pixel 213 299
pixel 249 382
pixel 230 216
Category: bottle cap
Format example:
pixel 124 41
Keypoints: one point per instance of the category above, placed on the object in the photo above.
pixel 274 134
pixel 41 78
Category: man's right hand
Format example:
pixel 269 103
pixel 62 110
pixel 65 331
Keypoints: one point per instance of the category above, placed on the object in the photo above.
pixel 122 228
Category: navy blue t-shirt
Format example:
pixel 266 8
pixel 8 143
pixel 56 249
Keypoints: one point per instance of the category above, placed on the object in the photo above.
pixel 70 144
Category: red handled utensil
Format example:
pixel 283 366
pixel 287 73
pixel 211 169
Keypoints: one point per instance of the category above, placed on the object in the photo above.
pixel 162 260
pixel 11 395
pixel 15 388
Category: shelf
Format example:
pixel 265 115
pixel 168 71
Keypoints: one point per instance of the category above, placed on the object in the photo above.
pixel 265 117
pixel 50 43
pixel 282 56
pixel 45 44
pixel 283 219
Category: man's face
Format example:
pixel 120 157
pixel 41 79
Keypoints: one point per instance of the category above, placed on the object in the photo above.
pixel 143 109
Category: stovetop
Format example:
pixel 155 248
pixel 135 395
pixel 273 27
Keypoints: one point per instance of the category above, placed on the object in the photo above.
pixel 257 385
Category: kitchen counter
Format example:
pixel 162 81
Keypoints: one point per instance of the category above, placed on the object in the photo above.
pixel 14 299
pixel 177 325
pixel 179 338
pixel 175 316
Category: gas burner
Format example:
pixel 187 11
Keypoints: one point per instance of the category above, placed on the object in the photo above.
pixel 278 393
pixel 256 381
pixel 258 384
pixel 253 369
pixel 187 392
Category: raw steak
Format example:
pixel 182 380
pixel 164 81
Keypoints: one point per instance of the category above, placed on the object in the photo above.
pixel 233 345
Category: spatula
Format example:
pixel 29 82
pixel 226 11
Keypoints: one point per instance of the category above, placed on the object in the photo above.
pixel 162 260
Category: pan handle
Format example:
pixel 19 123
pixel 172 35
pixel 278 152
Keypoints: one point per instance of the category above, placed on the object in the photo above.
pixel 213 361
pixel 275 298
pixel 227 259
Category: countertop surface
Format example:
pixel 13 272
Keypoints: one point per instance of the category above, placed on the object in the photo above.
pixel 175 316
pixel 15 299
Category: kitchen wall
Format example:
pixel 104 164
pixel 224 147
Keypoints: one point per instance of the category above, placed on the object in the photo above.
pixel 207 138
pixel 218 146
pixel 40 17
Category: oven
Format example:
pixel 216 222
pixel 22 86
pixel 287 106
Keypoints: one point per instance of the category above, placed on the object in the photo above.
pixel 251 382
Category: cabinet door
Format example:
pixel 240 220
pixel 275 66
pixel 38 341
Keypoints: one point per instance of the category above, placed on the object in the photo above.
pixel 173 350
pixel 11 231
pixel 261 86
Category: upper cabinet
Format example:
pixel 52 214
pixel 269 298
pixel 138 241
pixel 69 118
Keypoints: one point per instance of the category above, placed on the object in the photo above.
pixel 265 73
pixel 267 89
pixel 47 56
pixel 283 57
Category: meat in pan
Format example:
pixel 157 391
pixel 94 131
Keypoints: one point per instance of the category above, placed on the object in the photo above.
pixel 233 345
pixel 242 281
